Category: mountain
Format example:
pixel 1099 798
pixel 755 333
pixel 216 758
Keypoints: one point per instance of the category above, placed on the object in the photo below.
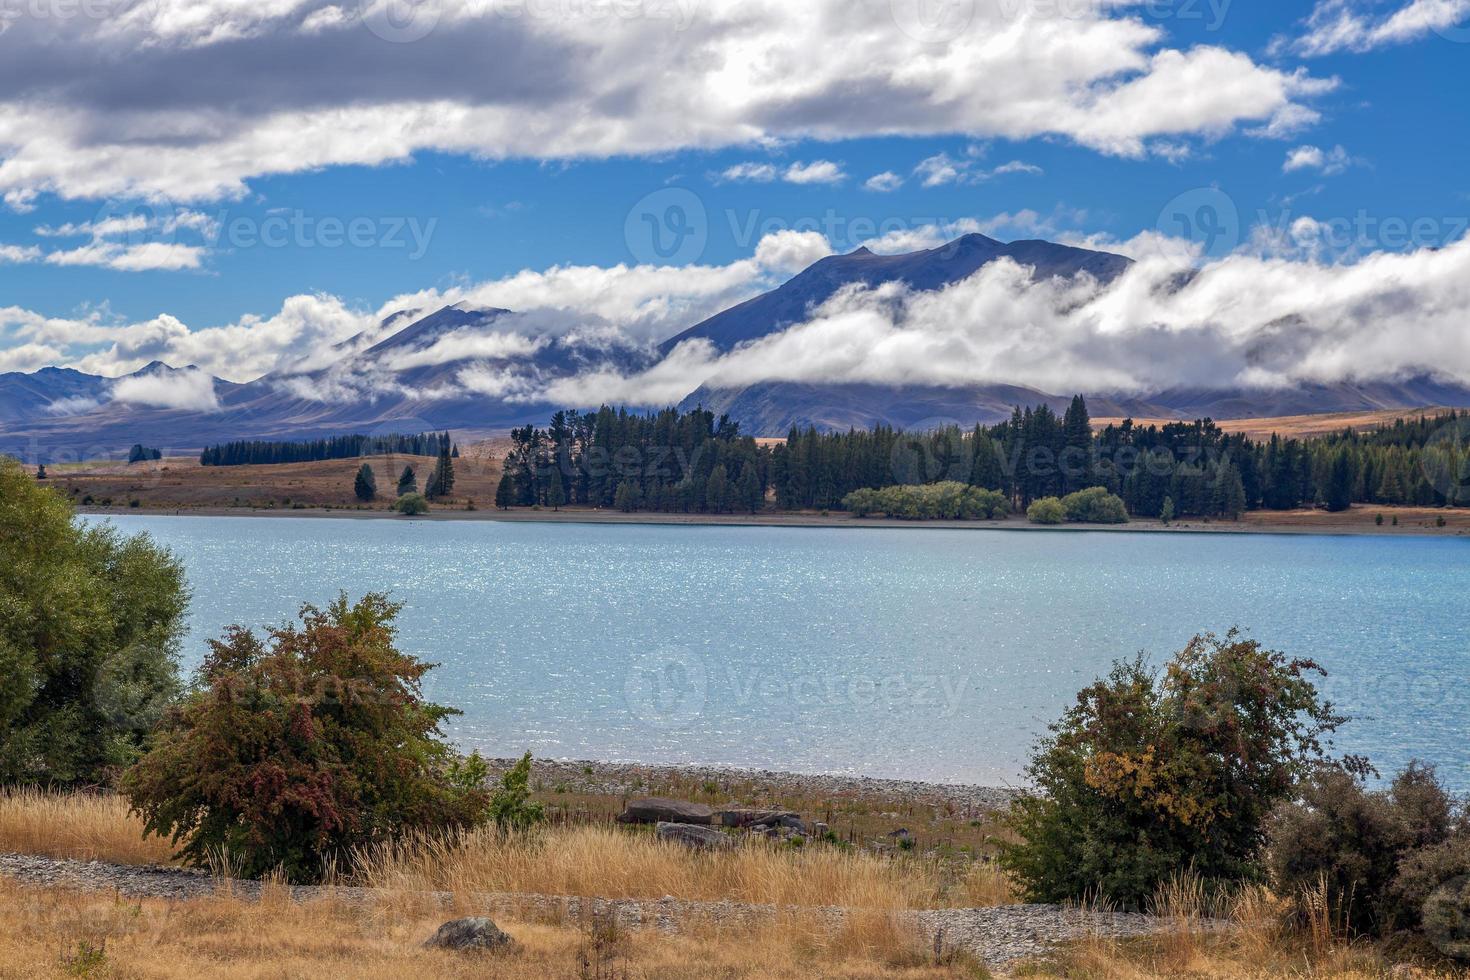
pixel 457 368
pixel 483 370
pixel 929 269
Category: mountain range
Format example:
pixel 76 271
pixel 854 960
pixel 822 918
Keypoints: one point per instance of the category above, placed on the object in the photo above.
pixel 461 368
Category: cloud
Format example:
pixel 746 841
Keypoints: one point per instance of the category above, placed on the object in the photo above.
pixel 791 251
pixel 19 253
pixel 942 169
pixel 1251 321
pixel 1341 25
pixel 28 357
pixel 883 183
pixel 816 172
pixel 142 257
pixel 1328 162
pixel 760 173
pixel 92 107
pixel 189 390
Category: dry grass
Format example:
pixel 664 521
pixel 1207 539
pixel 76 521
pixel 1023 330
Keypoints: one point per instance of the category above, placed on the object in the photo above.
pixel 1265 936
pixel 82 826
pixel 56 933
pixel 616 863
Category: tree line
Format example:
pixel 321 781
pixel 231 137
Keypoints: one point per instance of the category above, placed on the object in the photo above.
pixel 666 461
pixel 693 462
pixel 257 452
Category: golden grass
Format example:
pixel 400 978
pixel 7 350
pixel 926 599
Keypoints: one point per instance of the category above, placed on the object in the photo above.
pixel 76 825
pixel 615 863
pixel 57 933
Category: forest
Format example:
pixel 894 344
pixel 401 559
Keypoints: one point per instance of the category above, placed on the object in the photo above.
pixel 255 452
pixel 693 462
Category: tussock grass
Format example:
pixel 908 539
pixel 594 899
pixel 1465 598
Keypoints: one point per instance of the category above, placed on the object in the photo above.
pixel 615 863
pixel 87 827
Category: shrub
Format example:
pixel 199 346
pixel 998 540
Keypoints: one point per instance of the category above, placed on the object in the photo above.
pixel 1148 774
pixel 1047 510
pixel 292 752
pixel 90 626
pixel 511 807
pixel 1380 853
pixel 412 505
pixel 948 501
pixel 1095 506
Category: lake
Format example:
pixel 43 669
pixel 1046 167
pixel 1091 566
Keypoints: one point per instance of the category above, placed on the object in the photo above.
pixel 913 653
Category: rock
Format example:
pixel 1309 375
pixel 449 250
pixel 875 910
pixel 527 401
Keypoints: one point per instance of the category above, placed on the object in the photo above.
pixel 750 818
pixel 694 836
pixel 655 810
pixel 469 934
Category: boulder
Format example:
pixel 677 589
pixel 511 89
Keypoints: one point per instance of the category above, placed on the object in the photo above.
pixel 655 810
pixel 469 934
pixel 750 818
pixel 694 836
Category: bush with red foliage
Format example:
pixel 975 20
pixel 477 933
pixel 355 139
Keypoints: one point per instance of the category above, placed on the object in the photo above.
pixel 291 753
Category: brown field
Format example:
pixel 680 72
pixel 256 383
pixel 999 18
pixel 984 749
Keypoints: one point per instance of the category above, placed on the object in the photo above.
pixel 180 483
pixel 1299 426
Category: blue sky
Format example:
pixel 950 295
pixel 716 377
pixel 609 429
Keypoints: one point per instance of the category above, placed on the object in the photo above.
pixel 1375 121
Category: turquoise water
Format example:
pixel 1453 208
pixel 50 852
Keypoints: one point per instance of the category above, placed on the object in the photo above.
pixel 915 653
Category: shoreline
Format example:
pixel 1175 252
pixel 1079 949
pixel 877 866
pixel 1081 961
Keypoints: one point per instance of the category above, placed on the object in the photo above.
pixel 591 776
pixel 1300 522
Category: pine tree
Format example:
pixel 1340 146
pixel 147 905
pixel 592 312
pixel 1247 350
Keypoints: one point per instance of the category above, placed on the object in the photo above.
pixel 752 494
pixel 1167 514
pixel 441 479
pixel 1338 494
pixel 366 484
pixel 505 493
pixel 629 497
pixel 408 482
pixel 1076 456
pixel 555 494
pixel 716 490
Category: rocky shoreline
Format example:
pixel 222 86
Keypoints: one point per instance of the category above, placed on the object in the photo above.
pixel 633 779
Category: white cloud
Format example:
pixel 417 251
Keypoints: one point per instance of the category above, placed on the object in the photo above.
pixel 761 173
pixel 816 172
pixel 883 183
pixel 791 251
pixel 190 390
pixel 942 169
pixel 1242 321
pixel 19 253
pixel 142 257
pixel 95 109
pixel 28 357
pixel 1342 25
pixel 1328 162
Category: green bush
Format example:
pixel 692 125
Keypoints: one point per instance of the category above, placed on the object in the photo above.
pixel 1047 510
pixel 511 807
pixel 1149 774
pixel 90 626
pixel 1380 853
pixel 412 505
pixel 1095 506
pixel 948 501
pixel 292 752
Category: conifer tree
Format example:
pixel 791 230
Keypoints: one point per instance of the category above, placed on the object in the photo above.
pixel 752 495
pixel 505 493
pixel 408 481
pixel 366 484
pixel 555 493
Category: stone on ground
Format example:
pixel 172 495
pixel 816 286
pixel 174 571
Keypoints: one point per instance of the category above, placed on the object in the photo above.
pixel 469 934
pixel 656 810
pixel 699 838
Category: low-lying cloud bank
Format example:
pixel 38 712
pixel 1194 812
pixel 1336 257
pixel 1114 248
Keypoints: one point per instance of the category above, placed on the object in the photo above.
pixel 1266 319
